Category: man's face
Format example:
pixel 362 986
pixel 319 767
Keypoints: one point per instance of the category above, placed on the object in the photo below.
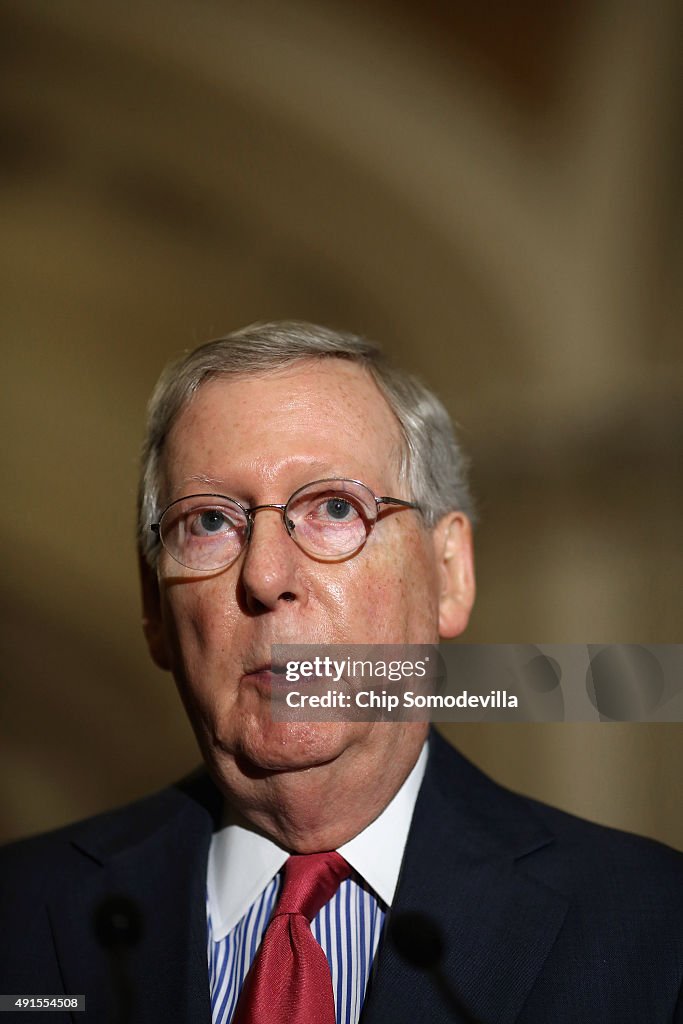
pixel 258 440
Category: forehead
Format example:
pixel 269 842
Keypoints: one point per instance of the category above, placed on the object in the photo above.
pixel 315 418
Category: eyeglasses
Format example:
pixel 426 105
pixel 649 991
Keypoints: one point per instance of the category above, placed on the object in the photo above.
pixel 329 520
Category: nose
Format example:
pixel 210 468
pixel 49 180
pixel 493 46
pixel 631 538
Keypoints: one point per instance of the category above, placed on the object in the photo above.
pixel 269 574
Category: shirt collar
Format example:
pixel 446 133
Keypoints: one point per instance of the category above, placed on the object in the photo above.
pixel 238 852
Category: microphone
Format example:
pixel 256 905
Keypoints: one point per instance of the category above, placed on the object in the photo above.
pixel 117 922
pixel 419 942
pixel 417 939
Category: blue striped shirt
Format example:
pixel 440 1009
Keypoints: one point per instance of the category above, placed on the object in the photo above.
pixel 348 927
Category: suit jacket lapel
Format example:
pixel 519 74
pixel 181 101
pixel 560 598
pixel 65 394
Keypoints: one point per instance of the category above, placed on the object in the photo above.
pixel 468 868
pixel 157 862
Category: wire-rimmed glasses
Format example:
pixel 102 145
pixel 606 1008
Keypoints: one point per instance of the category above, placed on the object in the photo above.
pixel 329 520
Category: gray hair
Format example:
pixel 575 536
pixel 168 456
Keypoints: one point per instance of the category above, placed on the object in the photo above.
pixel 432 463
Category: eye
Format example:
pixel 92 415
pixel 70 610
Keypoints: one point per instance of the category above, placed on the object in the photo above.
pixel 210 522
pixel 330 519
pixel 331 509
pixel 339 509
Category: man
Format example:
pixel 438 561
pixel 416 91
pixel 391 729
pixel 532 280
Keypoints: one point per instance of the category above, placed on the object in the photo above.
pixel 296 489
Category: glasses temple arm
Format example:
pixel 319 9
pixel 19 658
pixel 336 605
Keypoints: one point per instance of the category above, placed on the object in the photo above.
pixel 396 501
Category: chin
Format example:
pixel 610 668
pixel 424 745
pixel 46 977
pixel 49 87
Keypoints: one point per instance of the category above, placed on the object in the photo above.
pixel 267 747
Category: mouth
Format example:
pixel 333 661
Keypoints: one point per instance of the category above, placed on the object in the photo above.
pixel 266 677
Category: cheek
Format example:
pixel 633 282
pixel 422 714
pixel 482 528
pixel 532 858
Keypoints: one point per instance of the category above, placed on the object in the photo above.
pixel 198 625
pixel 397 602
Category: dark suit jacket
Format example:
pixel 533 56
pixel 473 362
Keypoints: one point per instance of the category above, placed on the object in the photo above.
pixel 543 918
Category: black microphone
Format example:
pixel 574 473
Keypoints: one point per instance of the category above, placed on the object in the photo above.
pixel 118 926
pixel 418 941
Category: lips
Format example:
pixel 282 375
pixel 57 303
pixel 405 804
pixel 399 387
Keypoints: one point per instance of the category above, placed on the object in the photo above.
pixel 266 675
pixel 258 669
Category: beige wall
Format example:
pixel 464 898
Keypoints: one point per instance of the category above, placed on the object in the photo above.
pixel 504 217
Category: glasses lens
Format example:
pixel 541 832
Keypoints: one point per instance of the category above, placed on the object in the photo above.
pixel 331 519
pixel 204 532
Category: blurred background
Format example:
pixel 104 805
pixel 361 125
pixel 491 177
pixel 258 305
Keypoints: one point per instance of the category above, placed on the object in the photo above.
pixel 493 191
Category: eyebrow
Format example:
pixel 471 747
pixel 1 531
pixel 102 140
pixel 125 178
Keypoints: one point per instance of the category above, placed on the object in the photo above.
pixel 222 487
pixel 201 478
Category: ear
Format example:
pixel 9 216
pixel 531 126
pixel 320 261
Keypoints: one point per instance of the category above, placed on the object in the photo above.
pixel 455 559
pixel 152 625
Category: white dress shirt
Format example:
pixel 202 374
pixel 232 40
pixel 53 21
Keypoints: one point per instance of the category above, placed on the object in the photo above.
pixel 243 884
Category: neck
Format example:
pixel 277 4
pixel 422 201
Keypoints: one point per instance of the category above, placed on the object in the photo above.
pixel 322 806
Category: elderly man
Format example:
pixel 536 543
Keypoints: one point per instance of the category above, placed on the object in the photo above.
pixel 296 489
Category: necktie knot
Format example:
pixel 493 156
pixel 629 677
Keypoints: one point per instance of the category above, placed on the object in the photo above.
pixel 309 881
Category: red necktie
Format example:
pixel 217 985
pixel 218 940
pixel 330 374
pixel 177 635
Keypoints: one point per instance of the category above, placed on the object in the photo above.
pixel 289 981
